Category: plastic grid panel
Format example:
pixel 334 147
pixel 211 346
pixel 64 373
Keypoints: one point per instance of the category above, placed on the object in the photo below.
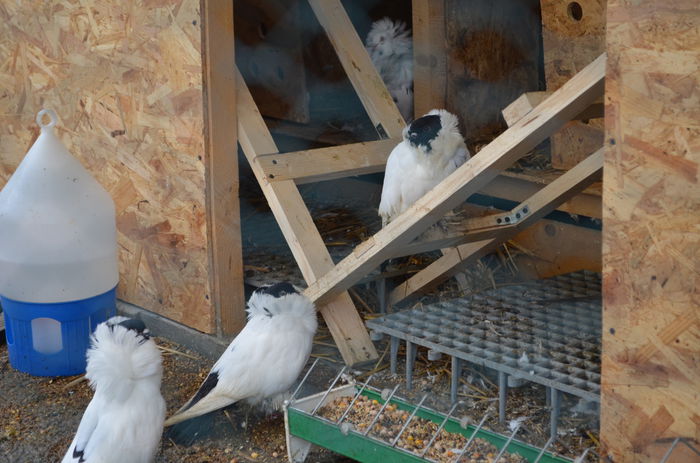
pixel 546 331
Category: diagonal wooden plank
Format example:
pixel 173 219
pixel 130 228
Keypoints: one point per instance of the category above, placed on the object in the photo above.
pixel 433 240
pixel 328 163
pixel 369 86
pixel 514 143
pixel 304 240
pixel 540 204
pixel 525 103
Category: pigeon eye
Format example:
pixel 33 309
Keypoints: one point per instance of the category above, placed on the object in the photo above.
pixel 267 311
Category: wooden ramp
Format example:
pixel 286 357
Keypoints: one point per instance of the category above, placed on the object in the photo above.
pixel 279 174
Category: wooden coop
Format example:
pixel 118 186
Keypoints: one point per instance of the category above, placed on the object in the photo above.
pixel 155 98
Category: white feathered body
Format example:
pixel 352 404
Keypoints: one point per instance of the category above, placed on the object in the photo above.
pixel 411 171
pixel 263 361
pixel 124 420
pixel 390 47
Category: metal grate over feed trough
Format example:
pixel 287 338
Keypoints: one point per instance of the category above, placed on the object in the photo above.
pixel 546 331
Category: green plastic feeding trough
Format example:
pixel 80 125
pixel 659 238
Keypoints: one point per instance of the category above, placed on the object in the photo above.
pixel 305 427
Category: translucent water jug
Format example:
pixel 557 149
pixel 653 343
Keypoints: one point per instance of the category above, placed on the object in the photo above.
pixel 58 257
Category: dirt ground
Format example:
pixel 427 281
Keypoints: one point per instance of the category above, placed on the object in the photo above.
pixel 39 416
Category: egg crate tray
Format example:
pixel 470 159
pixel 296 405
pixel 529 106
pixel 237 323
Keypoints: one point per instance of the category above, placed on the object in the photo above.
pixel 306 427
pixel 546 332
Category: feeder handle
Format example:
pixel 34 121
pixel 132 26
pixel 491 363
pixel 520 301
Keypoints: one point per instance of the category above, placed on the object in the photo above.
pixel 53 118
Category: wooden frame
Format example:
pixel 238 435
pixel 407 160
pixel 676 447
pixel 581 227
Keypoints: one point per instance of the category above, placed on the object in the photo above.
pixel 277 175
pixel 561 106
pixel 301 234
pixel 281 192
pixel 539 205
pixel 223 209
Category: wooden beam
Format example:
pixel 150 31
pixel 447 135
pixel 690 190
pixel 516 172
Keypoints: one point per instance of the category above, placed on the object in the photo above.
pixel 516 188
pixel 540 204
pixel 514 143
pixel 328 163
pixel 434 239
pixel 302 236
pixel 521 106
pixel 528 101
pixel 221 173
pixel 369 157
pixel 429 56
pixel 334 162
pixel 369 86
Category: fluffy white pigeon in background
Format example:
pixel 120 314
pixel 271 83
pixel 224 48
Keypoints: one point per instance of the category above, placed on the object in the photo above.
pixel 124 420
pixel 432 148
pixel 391 48
pixel 263 361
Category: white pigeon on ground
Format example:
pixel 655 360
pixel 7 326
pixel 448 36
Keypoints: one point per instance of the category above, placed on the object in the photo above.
pixel 124 420
pixel 432 148
pixel 390 47
pixel 263 361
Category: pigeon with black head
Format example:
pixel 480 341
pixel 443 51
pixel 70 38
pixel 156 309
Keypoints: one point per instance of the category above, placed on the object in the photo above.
pixel 264 359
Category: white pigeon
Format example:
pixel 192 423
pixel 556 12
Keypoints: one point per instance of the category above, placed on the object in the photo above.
pixel 124 420
pixel 390 47
pixel 264 359
pixel 432 148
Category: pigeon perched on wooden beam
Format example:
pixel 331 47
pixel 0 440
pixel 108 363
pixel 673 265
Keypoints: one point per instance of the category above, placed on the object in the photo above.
pixel 124 419
pixel 264 359
pixel 432 148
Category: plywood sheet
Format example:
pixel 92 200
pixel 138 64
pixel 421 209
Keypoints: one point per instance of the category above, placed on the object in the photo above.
pixel 573 35
pixel 651 240
pixel 126 81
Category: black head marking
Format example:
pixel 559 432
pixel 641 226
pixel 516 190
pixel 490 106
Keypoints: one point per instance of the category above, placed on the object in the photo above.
pixel 278 289
pixel 209 383
pixel 267 312
pixel 424 130
pixel 136 325
pixel 78 454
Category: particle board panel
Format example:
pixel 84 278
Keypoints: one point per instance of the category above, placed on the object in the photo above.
pixel 126 79
pixel 573 34
pixel 651 241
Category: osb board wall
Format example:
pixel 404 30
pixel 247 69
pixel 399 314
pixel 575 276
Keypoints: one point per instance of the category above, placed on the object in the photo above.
pixel 125 78
pixel 573 35
pixel 492 58
pixel 651 239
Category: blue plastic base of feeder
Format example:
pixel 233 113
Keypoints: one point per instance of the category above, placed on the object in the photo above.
pixel 69 323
